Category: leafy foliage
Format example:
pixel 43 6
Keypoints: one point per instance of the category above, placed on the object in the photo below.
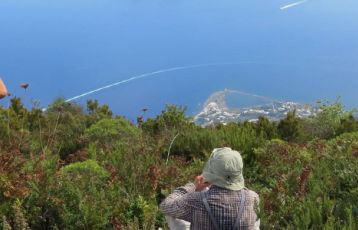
pixel 66 168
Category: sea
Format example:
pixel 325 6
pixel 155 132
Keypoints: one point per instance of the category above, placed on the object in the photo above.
pixel 186 49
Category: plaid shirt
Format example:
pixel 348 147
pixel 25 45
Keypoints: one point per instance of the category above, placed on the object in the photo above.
pixel 186 204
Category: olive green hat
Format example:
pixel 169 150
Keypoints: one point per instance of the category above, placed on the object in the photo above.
pixel 224 169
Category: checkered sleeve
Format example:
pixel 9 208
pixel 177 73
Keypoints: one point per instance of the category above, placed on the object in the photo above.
pixel 179 204
pixel 256 210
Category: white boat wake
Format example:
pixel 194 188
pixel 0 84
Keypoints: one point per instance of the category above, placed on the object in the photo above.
pixel 293 5
pixel 144 75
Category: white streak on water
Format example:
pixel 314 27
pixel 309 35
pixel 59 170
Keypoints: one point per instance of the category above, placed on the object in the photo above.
pixel 293 5
pixel 144 75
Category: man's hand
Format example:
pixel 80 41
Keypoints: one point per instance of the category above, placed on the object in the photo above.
pixel 200 184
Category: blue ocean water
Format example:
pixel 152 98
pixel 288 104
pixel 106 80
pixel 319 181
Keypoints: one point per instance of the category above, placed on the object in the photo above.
pixel 65 48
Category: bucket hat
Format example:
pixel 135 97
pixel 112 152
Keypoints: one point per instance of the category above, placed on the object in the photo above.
pixel 224 169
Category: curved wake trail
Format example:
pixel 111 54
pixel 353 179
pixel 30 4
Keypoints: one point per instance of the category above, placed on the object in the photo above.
pixel 144 75
pixel 293 5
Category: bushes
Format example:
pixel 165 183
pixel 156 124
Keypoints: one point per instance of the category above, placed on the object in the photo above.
pixel 82 188
pixel 308 186
pixel 289 128
pixel 67 169
pixel 108 132
pixel 172 117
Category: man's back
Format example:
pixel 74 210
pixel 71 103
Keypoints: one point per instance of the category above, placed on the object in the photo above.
pixel 224 204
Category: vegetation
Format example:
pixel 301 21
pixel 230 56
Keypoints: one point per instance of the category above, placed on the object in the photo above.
pixel 70 168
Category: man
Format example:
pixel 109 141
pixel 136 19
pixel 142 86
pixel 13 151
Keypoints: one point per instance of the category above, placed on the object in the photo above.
pixel 227 204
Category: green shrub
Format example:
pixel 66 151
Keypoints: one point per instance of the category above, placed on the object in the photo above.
pixel 106 133
pixel 82 189
pixel 68 169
